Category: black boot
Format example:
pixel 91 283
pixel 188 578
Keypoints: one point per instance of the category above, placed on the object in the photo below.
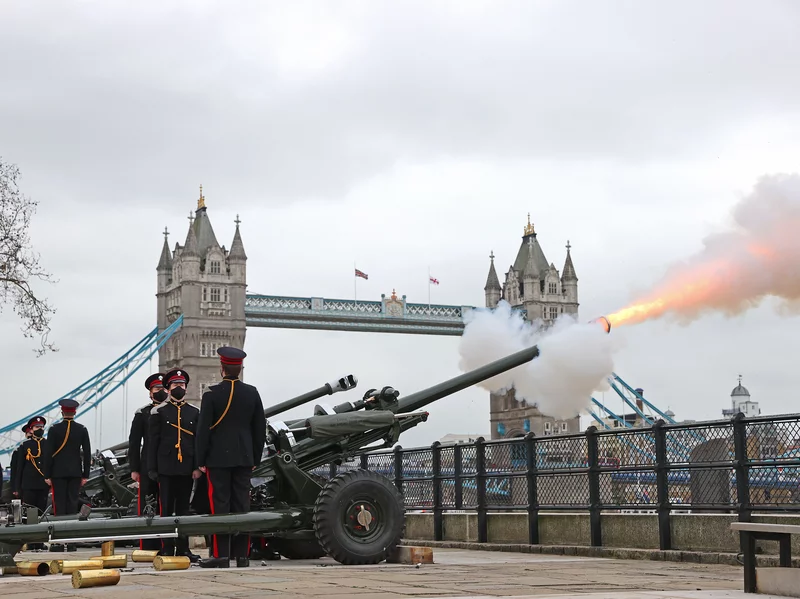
pixel 215 562
pixel 242 562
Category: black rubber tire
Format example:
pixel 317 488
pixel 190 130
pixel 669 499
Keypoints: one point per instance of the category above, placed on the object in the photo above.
pixel 343 493
pixel 297 548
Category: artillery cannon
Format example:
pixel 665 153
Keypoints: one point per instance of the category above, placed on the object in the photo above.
pixel 357 517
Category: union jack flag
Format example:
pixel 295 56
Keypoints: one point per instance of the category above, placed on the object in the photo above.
pixel 363 275
pixel 434 281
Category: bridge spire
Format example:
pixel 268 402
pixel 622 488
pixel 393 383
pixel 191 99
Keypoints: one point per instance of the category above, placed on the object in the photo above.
pixel 201 201
pixel 165 262
pixel 237 247
pixel 568 272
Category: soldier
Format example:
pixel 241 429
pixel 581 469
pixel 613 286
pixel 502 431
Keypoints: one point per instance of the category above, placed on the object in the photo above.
pixel 171 455
pixel 65 469
pixel 137 451
pixel 29 481
pixel 231 435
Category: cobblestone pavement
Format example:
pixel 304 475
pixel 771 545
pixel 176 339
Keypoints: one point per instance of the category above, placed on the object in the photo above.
pixel 456 574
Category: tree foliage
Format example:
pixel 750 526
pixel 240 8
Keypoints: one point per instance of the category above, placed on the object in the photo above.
pixel 19 264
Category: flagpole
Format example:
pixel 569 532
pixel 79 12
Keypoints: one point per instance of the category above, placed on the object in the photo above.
pixel 429 289
pixel 355 283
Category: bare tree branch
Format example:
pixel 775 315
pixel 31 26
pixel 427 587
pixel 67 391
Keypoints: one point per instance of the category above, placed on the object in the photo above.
pixel 19 264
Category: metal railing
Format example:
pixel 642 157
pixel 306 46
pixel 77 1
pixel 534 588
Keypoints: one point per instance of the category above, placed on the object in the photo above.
pixel 733 466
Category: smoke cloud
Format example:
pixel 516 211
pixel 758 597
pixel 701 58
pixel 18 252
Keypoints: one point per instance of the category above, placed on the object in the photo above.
pixel 737 269
pixel 574 360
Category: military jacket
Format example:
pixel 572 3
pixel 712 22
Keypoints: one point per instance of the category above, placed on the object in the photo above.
pixel 171 438
pixel 138 440
pixel 70 453
pixel 29 466
pixel 232 430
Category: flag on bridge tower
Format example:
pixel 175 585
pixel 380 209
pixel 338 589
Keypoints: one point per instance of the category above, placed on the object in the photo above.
pixel 360 274
pixel 431 281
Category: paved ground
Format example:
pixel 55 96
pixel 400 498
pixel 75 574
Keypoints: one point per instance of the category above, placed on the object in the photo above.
pixel 456 574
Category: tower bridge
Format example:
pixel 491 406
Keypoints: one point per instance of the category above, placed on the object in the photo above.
pixel 202 303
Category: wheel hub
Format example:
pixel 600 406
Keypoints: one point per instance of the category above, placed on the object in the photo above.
pixel 362 519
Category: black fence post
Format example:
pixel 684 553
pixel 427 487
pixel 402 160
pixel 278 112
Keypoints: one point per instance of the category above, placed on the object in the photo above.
pixel 457 469
pixel 332 469
pixel 742 468
pixel 662 487
pixel 533 494
pixel 480 483
pixel 364 461
pixel 594 488
pixel 398 468
pixel 436 460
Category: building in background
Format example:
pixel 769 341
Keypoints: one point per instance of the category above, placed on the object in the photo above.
pixel 741 402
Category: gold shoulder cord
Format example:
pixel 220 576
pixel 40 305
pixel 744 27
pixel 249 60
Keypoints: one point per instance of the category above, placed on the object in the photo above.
pixel 32 458
pixel 180 455
pixel 69 422
pixel 230 398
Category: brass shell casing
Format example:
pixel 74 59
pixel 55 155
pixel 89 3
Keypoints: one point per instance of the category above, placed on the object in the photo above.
pixel 55 566
pixel 112 561
pixel 138 555
pixel 33 568
pixel 107 548
pixel 69 566
pixel 169 562
pixel 82 579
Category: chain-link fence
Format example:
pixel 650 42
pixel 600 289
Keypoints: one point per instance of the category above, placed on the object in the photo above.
pixel 735 466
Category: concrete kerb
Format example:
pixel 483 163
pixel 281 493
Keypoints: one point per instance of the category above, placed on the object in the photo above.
pixel 693 557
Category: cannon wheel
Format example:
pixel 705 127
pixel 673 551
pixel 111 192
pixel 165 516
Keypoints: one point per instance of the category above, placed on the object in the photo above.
pixel 359 517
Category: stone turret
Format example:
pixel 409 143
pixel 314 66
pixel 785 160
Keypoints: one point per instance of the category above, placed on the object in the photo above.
pixel 207 284
pixel 492 288
pixel 569 282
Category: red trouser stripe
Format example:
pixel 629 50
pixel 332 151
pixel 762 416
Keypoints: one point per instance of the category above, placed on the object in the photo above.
pixel 211 503
pixel 53 496
pixel 139 509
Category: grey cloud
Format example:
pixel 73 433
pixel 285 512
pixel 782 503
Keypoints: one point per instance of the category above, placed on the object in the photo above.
pixel 145 104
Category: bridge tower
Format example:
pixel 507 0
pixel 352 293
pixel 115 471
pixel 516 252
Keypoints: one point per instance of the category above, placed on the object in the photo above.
pixel 535 286
pixel 207 284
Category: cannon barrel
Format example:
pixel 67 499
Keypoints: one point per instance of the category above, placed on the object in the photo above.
pixel 420 399
pixel 343 384
pixel 144 527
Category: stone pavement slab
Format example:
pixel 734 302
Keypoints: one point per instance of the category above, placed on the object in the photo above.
pixel 456 574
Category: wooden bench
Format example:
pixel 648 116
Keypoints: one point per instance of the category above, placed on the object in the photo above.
pixel 750 532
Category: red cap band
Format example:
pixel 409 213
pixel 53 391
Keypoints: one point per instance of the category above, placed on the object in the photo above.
pixel 232 361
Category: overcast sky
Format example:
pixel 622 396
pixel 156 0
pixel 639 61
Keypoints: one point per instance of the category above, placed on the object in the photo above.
pixel 401 136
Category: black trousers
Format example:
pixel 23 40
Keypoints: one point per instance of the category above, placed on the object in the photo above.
pixel 147 487
pixel 37 498
pixel 174 493
pixel 229 493
pixel 65 495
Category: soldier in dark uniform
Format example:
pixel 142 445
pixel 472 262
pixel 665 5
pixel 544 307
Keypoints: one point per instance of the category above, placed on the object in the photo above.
pixel 29 481
pixel 137 451
pixel 65 469
pixel 230 440
pixel 171 455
